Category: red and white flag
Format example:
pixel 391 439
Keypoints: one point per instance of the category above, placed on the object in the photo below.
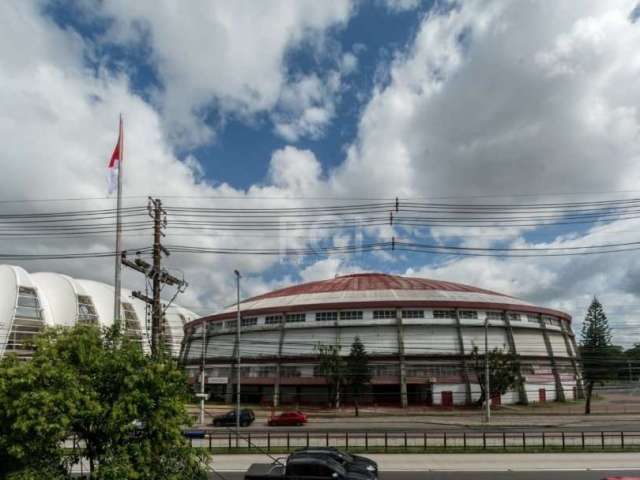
pixel 114 163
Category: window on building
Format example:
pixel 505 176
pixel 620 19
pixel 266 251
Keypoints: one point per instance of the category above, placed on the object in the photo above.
pixel 433 370
pixel 215 326
pixel 249 322
pixel 380 314
pixel 132 324
pixel 468 314
pixel 389 370
pixel 514 317
pixel 494 315
pixel 230 324
pixel 295 317
pixel 351 315
pixel 87 311
pixel 444 314
pixel 532 318
pixel 290 371
pixel 273 319
pixel 326 316
pixel 28 304
pixel 27 322
pixel 267 371
pixel 413 314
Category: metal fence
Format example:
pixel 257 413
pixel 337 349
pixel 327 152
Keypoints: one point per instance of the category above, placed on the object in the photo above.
pixel 421 441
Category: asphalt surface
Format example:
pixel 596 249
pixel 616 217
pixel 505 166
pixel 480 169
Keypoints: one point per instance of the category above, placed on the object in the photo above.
pixel 421 425
pixel 482 475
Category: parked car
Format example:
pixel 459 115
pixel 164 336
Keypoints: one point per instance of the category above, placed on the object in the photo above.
pixel 306 467
pixel 229 419
pixel 347 460
pixel 287 419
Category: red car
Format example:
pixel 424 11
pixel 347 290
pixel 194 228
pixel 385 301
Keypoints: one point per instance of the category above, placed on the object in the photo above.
pixel 287 419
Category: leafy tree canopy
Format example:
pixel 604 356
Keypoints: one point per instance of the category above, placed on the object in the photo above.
pixel 126 408
pixel 503 372
pixel 332 366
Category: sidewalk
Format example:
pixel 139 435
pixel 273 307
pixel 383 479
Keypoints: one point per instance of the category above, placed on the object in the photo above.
pixel 467 462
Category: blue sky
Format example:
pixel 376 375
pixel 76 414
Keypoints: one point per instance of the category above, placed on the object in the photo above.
pixel 293 103
pixel 239 155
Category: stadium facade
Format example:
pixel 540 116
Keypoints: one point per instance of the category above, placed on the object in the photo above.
pixel 29 302
pixel 418 333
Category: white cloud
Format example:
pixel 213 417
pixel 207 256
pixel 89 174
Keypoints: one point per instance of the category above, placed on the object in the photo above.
pixel 61 119
pixel 306 106
pixel 401 5
pixel 477 106
pixel 231 55
pixel 498 98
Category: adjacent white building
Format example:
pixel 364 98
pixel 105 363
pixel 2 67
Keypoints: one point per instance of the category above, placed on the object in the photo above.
pixel 30 301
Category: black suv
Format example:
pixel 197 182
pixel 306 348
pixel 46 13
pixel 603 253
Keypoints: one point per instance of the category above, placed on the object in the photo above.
pixel 229 419
pixel 348 461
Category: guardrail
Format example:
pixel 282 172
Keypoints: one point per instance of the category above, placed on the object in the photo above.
pixel 419 441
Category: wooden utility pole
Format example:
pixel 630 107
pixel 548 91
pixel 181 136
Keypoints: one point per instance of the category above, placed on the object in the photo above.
pixel 157 275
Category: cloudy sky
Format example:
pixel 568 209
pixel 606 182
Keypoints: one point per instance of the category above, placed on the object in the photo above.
pixel 298 103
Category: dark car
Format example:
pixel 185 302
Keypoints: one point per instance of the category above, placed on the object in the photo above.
pixel 306 467
pixel 229 419
pixel 347 460
pixel 288 419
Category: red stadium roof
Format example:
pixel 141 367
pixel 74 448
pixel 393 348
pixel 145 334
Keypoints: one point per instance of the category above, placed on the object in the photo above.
pixel 371 281
pixel 390 290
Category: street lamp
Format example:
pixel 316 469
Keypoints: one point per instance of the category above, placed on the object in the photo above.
pixel 237 355
pixel 202 395
pixel 487 394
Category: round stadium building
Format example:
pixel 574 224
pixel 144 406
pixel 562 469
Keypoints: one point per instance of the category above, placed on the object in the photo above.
pixel 31 301
pixel 418 333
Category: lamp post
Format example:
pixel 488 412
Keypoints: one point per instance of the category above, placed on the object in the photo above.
pixel 237 354
pixel 487 390
pixel 202 395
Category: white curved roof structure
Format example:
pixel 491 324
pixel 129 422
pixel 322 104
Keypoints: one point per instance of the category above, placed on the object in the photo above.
pixel 28 302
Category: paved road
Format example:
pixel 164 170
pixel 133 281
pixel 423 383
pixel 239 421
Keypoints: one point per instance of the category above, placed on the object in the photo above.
pixel 482 475
pixel 421 425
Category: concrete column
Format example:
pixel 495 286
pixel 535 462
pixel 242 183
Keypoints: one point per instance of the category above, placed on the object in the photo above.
pixel 403 370
pixel 465 364
pixel 522 389
pixel 552 359
pixel 276 385
pixel 574 357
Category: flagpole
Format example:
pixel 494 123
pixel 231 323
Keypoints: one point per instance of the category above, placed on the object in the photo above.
pixel 118 264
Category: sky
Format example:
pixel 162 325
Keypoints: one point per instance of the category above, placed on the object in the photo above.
pixel 302 104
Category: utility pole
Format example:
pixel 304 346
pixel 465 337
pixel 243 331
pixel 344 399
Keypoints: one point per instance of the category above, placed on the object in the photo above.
pixel 156 273
pixel 487 385
pixel 156 308
pixel 237 354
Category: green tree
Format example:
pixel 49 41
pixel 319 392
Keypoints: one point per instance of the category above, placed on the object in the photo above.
pixel 358 375
pixel 332 367
pixel 596 350
pixel 127 409
pixel 503 372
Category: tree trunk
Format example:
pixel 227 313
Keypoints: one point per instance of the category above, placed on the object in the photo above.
pixel 587 403
pixel 337 396
pixel 355 401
